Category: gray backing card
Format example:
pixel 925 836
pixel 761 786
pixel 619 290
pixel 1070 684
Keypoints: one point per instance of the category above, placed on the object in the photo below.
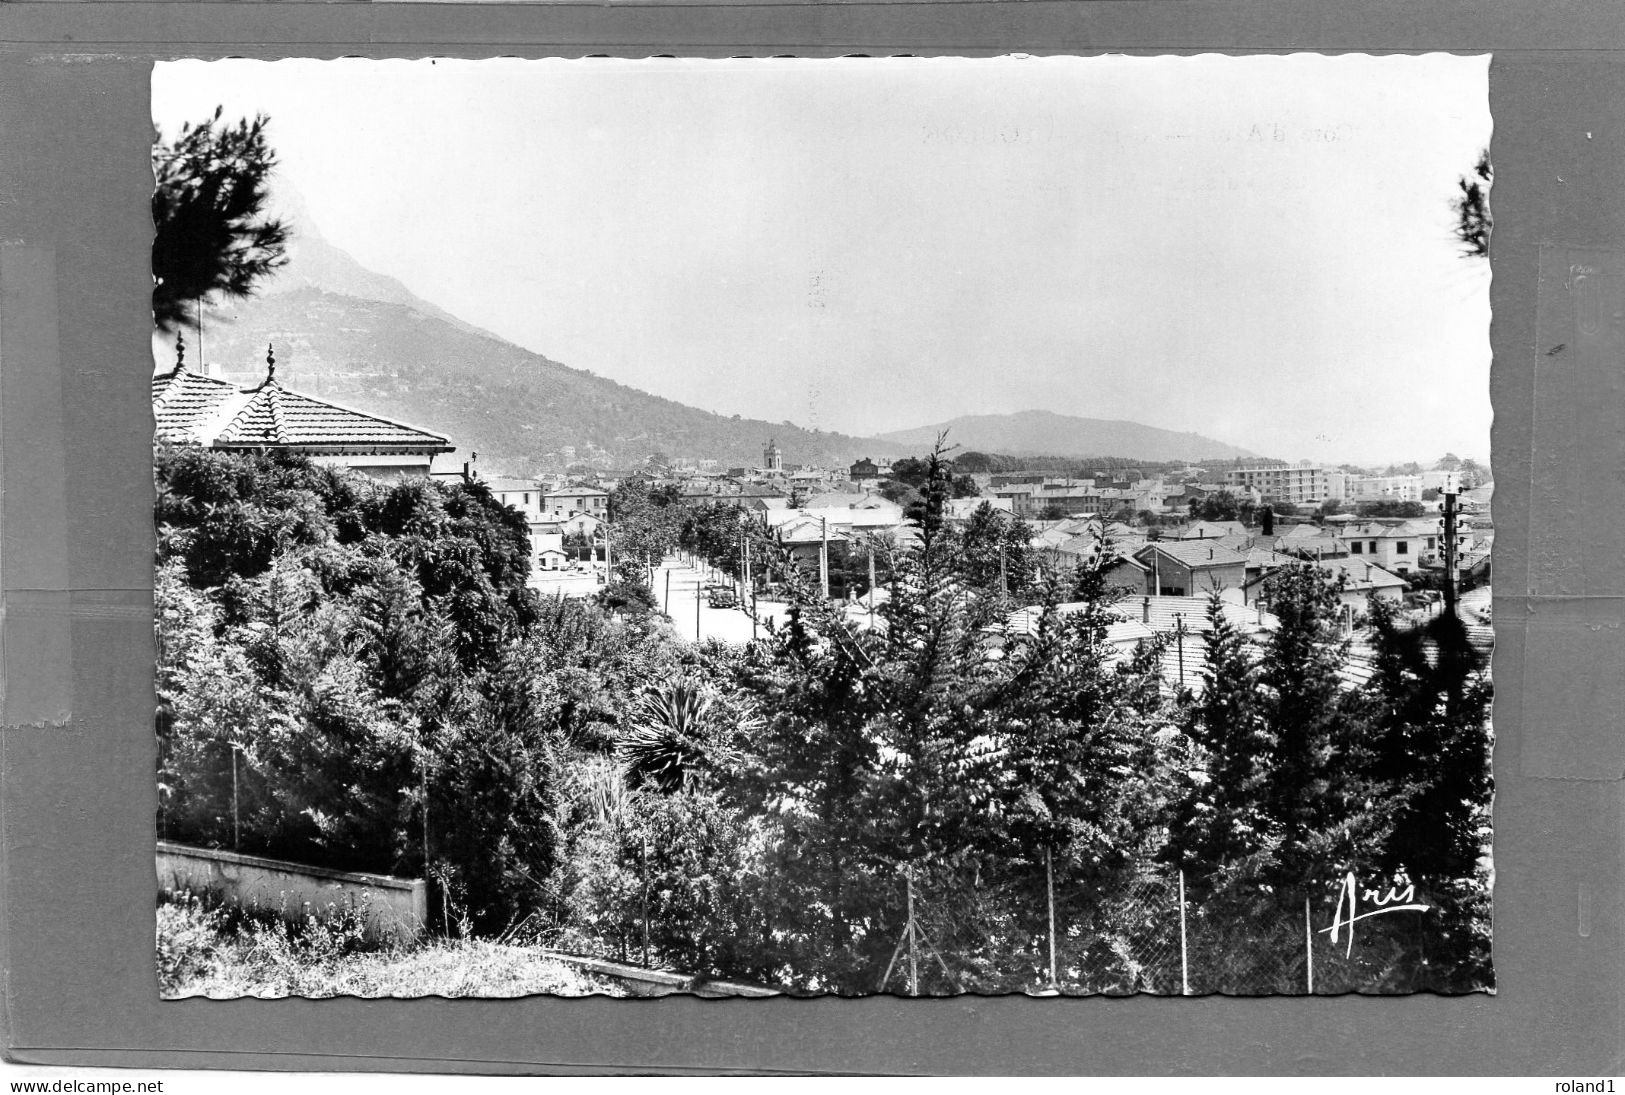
pixel 77 750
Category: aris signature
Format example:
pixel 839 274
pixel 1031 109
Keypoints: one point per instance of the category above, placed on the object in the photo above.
pixel 1380 903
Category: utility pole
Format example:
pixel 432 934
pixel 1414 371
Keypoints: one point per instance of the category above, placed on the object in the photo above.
pixel 699 587
pixel 666 608
pixel 1450 553
pixel 823 555
pixel 750 588
pixel 1049 879
pixel 646 901
pixel 871 583
pixel 913 964
pixel 1184 952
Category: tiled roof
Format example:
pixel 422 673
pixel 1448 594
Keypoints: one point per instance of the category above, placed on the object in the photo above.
pixel 1264 558
pixel 1086 544
pixel 275 416
pixel 1358 575
pixel 808 531
pixel 204 411
pixel 1352 574
pixel 508 486
pixel 1408 527
pixel 1210 530
pixel 1195 553
pixel 1167 613
pixel 1151 615
pixel 184 402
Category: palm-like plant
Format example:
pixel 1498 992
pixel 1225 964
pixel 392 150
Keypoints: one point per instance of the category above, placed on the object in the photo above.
pixel 672 739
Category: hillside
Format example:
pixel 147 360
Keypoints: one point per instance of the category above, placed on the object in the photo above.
pixel 521 411
pixel 349 334
pixel 1043 433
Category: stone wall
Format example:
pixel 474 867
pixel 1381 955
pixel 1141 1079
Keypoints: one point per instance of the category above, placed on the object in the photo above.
pixel 397 908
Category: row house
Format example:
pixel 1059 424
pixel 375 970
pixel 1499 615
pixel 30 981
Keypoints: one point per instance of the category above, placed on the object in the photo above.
pixel 1018 497
pixel 567 502
pixel 1068 498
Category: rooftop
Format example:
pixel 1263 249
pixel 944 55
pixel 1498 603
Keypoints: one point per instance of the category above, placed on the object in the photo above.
pixel 201 410
pixel 506 485
pixel 1194 553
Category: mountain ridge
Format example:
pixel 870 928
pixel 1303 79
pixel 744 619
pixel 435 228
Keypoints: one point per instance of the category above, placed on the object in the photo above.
pixel 522 411
pixel 350 334
pixel 1046 433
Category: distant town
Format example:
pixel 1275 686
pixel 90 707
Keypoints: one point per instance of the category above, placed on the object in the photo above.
pixel 483 675
pixel 1176 530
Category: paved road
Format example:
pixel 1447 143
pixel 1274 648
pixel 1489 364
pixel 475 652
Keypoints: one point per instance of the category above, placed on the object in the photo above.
pixel 688 584
pixel 565 583
pixel 730 625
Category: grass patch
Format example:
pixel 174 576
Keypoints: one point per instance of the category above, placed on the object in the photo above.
pixel 214 950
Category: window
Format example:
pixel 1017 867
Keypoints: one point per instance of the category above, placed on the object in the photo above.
pixel 527 499
pixel 1373 547
pixel 1356 548
pixel 1430 543
pixel 1402 547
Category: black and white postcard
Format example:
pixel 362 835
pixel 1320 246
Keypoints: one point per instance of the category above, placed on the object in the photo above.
pixel 1000 526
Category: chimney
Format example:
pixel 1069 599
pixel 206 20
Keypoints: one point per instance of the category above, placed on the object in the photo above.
pixel 1145 611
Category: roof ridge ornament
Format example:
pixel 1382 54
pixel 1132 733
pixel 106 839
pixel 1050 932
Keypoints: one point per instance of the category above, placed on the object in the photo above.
pixel 180 351
pixel 270 363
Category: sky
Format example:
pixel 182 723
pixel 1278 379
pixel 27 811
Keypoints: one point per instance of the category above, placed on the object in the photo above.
pixel 1257 249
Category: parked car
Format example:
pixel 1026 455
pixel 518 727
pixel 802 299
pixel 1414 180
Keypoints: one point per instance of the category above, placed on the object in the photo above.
pixel 722 597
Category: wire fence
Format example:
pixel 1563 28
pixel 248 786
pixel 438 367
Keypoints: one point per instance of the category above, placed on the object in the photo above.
pixel 1160 931
pixel 1164 933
